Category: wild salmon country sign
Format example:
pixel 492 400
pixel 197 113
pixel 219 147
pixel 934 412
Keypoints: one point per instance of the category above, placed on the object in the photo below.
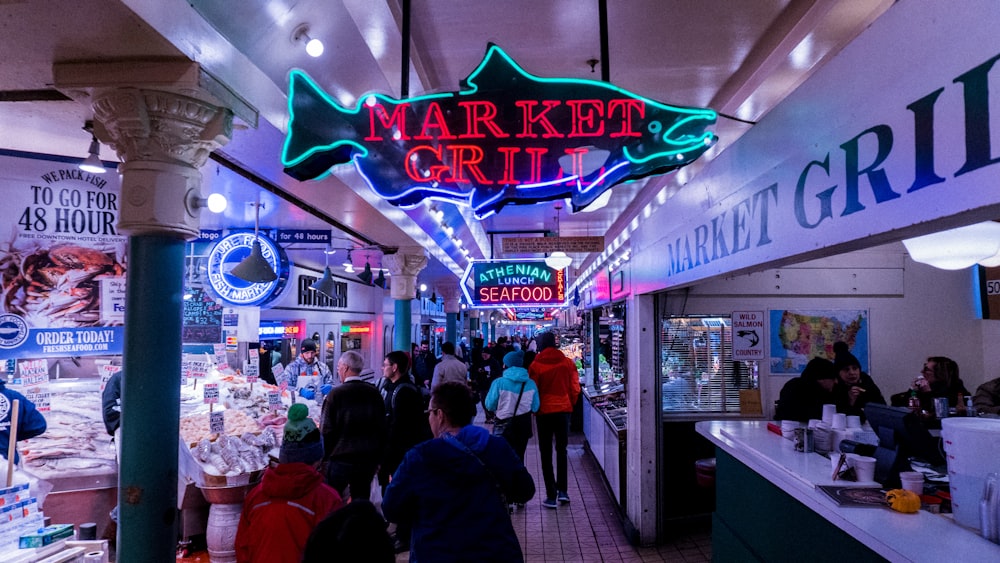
pixel 507 137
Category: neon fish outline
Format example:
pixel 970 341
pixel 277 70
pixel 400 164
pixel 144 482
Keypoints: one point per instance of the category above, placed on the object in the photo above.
pixel 654 138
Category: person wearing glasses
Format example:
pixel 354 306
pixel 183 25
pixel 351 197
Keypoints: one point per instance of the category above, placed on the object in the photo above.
pixel 453 490
pixel 307 374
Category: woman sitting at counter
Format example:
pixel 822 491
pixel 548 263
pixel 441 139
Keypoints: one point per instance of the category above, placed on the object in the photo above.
pixel 855 388
pixel 802 398
pixel 939 378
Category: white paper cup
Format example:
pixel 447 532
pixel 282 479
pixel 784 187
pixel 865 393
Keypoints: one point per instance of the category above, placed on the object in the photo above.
pixel 864 468
pixel 828 412
pixel 854 421
pixel 912 481
pixel 814 422
pixel 839 421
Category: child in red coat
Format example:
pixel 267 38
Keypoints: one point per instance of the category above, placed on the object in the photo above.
pixel 290 500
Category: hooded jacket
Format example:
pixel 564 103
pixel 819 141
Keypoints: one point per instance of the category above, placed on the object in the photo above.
pixel 557 379
pixel 30 422
pixel 452 498
pixel 504 391
pixel 280 512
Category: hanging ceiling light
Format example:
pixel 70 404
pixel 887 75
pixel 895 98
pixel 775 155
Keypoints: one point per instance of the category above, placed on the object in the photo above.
pixel 959 248
pixel 93 162
pixel 366 275
pixel 254 268
pixel 314 47
pixel 558 260
pixel 380 280
pixel 325 284
pixel 349 263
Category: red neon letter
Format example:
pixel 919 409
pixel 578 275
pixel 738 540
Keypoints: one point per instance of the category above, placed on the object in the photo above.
pixel 627 107
pixel 473 117
pixel 434 172
pixel 535 174
pixel 508 178
pixel 459 161
pixel 590 116
pixel 398 118
pixel 434 119
pixel 543 120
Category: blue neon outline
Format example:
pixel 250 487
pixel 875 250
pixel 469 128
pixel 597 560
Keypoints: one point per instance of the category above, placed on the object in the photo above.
pixel 463 283
pixel 362 152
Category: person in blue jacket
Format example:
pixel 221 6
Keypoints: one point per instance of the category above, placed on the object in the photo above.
pixel 454 489
pixel 30 422
pixel 513 398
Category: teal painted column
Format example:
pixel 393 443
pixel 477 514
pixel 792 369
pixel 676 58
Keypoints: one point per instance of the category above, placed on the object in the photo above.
pixel 450 331
pixel 147 475
pixel 403 312
pixel 452 295
pixel 163 137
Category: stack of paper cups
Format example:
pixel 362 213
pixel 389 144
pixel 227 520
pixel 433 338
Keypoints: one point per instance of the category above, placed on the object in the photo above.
pixel 828 412
pixel 853 421
pixel 839 421
pixel 837 436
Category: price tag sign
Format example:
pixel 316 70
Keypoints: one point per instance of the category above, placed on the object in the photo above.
pixel 216 422
pixel 251 370
pixel 274 400
pixel 198 369
pixel 211 391
pixel 106 371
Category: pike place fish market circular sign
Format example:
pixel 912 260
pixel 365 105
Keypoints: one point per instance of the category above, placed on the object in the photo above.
pixel 229 252
pixel 13 331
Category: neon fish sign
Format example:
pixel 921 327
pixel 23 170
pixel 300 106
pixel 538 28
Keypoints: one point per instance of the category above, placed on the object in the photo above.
pixel 506 137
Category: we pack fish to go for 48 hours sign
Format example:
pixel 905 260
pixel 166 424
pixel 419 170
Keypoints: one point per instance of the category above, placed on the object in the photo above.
pixel 506 137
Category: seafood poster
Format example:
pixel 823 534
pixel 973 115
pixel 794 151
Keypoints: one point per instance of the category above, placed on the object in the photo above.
pixel 62 261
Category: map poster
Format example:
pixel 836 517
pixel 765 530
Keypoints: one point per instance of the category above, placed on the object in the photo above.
pixel 798 336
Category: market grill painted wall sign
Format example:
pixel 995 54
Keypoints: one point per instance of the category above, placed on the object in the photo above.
pixel 506 137
pixel 229 252
pixel 513 283
pixel 913 150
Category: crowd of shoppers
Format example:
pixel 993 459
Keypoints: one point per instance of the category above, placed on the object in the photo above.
pixel 409 438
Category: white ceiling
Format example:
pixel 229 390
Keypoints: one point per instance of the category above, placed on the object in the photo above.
pixel 737 57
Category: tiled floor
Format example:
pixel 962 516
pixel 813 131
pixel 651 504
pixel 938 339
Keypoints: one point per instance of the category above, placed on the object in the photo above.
pixel 589 528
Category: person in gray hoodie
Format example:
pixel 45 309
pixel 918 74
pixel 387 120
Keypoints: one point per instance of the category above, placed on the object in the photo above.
pixel 513 398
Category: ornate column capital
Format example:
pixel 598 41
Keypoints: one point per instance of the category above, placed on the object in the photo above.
pixel 163 124
pixel 452 295
pixel 404 266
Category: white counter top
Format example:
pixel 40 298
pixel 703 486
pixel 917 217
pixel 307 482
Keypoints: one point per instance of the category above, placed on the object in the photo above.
pixel 893 535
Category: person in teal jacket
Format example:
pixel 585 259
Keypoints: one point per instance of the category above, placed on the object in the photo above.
pixel 30 422
pixel 503 400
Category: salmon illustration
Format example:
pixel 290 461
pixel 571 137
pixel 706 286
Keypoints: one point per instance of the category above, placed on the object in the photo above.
pixel 507 137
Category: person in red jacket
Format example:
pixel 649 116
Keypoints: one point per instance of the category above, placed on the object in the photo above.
pixel 279 513
pixel 558 384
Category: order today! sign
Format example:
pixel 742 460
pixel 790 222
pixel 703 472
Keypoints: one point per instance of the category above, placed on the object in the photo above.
pixel 513 283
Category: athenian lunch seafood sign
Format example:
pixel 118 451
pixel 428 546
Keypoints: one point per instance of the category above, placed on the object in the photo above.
pixel 62 262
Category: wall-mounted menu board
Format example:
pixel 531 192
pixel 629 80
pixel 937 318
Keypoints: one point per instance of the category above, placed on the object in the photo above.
pixel 202 319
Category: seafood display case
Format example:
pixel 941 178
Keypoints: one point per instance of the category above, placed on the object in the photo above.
pixel 74 460
pixel 604 426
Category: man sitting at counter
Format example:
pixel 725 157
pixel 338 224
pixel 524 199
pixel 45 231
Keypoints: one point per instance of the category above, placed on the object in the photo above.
pixel 987 397
pixel 802 398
